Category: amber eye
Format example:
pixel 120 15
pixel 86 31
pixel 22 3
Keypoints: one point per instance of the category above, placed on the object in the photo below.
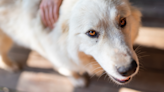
pixel 122 22
pixel 92 33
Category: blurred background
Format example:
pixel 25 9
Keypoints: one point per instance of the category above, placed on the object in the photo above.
pixel 38 74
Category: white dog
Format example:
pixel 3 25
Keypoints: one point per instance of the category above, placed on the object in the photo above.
pixel 93 36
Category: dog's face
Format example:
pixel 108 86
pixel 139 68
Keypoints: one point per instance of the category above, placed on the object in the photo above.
pixel 105 30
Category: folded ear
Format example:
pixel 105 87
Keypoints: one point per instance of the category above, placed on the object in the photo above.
pixel 135 22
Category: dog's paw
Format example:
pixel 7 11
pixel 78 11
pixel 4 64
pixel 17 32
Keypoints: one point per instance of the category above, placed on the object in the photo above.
pixel 78 82
pixel 12 67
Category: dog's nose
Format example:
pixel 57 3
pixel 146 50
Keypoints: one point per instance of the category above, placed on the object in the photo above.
pixel 129 70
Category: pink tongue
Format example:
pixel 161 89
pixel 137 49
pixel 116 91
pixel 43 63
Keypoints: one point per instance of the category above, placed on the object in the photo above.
pixel 125 79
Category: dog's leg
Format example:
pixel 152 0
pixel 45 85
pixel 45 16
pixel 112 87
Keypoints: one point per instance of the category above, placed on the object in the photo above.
pixel 5 45
pixel 76 79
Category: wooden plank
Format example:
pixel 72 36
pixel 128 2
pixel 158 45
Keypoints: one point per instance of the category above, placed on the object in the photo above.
pixel 151 37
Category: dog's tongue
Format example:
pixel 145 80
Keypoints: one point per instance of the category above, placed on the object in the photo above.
pixel 124 79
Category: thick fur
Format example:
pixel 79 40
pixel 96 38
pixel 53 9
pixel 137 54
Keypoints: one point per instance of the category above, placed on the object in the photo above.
pixel 67 46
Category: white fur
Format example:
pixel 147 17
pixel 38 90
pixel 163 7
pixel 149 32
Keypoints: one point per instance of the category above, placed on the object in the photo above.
pixel 21 21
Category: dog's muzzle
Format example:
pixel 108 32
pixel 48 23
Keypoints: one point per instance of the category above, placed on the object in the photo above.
pixel 126 72
pixel 129 70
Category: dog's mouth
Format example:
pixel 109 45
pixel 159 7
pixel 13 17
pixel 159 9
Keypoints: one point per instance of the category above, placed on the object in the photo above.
pixel 121 81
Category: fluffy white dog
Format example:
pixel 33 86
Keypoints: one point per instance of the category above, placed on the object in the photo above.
pixel 93 36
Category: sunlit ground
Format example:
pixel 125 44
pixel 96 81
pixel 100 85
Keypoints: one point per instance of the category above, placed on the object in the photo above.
pixel 151 37
pixel 123 89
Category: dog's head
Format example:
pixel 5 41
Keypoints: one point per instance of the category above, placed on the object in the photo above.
pixel 105 30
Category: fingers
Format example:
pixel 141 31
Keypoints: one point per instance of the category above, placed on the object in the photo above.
pixel 47 14
pixel 43 16
pixel 50 16
pixel 55 13
pixel 50 11
pixel 56 9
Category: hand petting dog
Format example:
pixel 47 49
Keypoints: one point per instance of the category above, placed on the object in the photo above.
pixel 50 12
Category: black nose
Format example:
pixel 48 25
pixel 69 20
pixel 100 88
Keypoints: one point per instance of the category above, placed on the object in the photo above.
pixel 129 70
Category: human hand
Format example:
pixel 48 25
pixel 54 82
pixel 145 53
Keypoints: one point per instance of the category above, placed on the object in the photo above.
pixel 50 11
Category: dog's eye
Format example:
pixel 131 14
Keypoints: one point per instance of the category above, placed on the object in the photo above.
pixel 92 33
pixel 122 22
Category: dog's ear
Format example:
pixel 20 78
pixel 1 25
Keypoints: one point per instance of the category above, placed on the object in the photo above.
pixel 135 22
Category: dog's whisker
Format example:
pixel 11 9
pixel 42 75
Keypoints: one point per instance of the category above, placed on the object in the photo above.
pixel 96 73
pixel 105 76
pixel 96 69
pixel 138 48
pixel 140 57
pixel 141 66
pixel 95 64
pixel 101 75
pixel 140 53
pixel 108 79
pixel 144 56
pixel 89 64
